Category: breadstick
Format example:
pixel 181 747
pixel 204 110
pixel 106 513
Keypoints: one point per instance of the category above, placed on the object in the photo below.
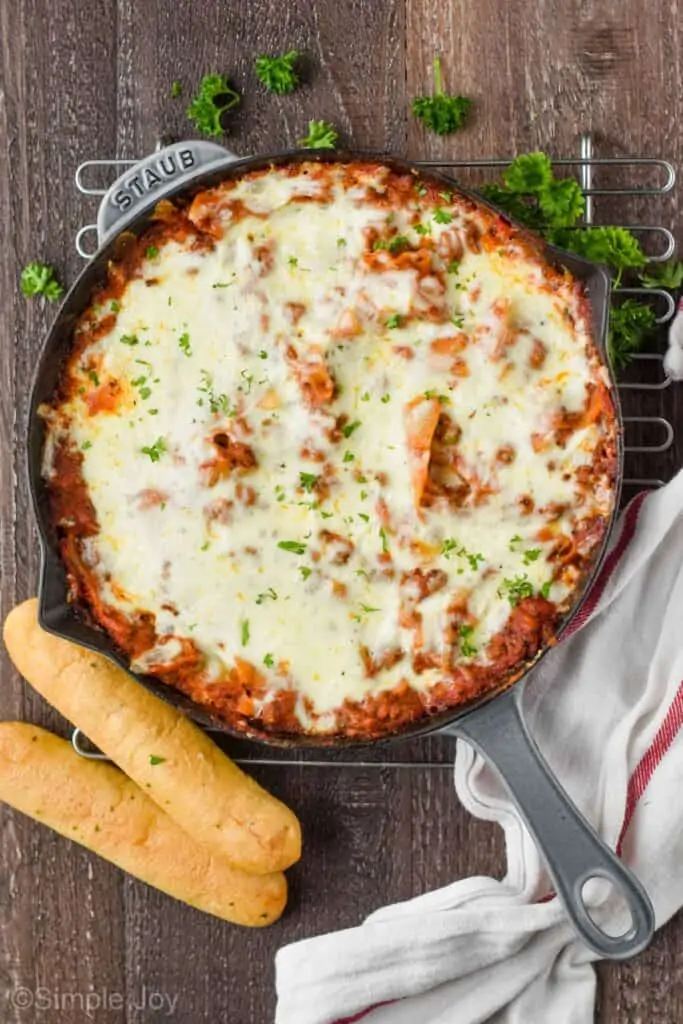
pixel 168 756
pixel 97 806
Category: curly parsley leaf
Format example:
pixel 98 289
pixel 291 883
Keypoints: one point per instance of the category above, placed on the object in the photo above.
pixel 39 279
pixel 617 247
pixel 561 203
pixel 321 135
pixel 441 112
pixel 663 275
pixel 529 174
pixel 278 74
pixel 630 325
pixel 215 96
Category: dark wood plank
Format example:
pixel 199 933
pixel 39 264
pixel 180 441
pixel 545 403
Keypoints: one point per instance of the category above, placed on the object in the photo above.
pixel 60 908
pixel 96 82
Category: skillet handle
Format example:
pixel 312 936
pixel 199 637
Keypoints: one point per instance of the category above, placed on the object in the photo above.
pixel 148 181
pixel 572 850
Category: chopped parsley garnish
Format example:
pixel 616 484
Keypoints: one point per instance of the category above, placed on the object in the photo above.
pixel 514 540
pixel 446 196
pixel 422 229
pixel 308 481
pixel 321 135
pixel 217 402
pixel 458 320
pixel 296 547
pixel 394 321
pixel 341 242
pixel 467 648
pixel 453 267
pixel 129 339
pixel 293 261
pixel 156 450
pixel 269 593
pixel 248 379
pixel 365 397
pixel 263 354
pixel 154 759
pixel 385 398
pixel 364 516
pixel 350 427
pixel 348 457
pixel 205 546
pixel 215 96
pixel 115 306
pixel 516 589
pixel 531 554
pixel 222 284
pixel 278 74
pixel 385 542
pixel 367 608
pixel 152 252
pixel 545 589
pixel 305 571
pixel 39 279
pixel 268 660
pixel 184 343
pixel 432 393
pixel 94 378
pixel 86 445
pixel 245 632
pixel 452 547
pixel 442 216
pixel 391 244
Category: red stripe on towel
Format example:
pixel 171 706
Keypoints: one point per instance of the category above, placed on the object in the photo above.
pixel 645 768
pixel 363 1013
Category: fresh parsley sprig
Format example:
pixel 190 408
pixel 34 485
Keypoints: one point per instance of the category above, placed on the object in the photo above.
pixel 39 279
pixel 630 325
pixel 278 74
pixel 214 98
pixel 441 112
pixel 663 275
pixel 321 135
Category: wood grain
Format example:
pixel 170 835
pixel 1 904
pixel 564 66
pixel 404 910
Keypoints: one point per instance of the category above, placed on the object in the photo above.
pixel 81 80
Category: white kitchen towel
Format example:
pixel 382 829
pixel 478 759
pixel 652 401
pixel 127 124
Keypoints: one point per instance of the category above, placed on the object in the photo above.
pixel 605 707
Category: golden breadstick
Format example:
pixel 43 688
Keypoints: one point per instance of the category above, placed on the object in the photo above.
pixel 97 806
pixel 168 756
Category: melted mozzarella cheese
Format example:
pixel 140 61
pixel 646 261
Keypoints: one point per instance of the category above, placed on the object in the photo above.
pixel 208 342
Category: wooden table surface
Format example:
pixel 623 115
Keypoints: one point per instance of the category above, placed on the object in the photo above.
pixel 93 79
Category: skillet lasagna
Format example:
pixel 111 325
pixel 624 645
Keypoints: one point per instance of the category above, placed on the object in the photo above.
pixel 332 450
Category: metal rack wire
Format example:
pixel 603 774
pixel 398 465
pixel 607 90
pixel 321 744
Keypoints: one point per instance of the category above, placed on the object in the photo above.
pixel 657 430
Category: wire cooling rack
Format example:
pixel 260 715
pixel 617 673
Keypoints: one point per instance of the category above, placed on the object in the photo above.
pixel 646 436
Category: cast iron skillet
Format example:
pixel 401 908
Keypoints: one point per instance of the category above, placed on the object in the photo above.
pixel 493 724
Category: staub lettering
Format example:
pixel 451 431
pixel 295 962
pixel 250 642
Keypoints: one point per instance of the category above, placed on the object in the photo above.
pixel 150 177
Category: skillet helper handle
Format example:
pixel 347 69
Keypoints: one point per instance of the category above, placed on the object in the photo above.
pixel 572 850
pixel 145 183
